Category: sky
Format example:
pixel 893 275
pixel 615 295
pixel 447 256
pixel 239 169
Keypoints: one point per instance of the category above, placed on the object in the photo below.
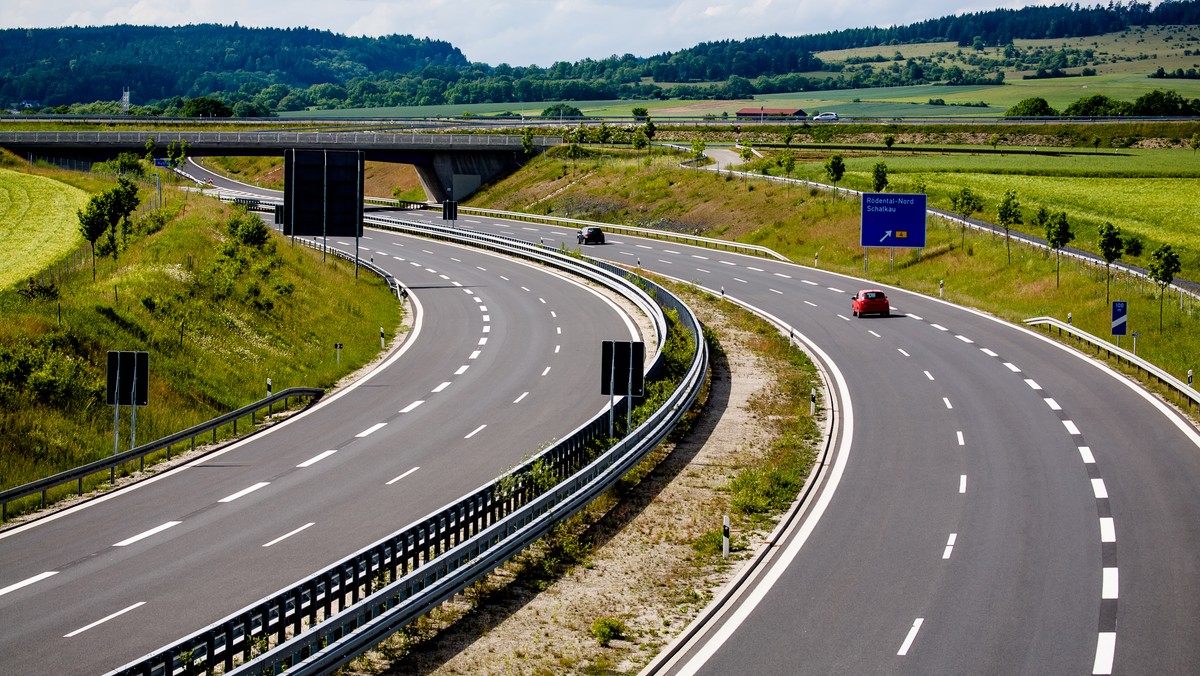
pixel 516 32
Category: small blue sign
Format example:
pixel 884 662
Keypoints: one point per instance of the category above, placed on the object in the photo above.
pixel 893 220
pixel 1120 315
pixel 160 162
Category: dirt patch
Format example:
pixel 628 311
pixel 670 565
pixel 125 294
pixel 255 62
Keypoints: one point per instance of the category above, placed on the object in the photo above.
pixel 643 571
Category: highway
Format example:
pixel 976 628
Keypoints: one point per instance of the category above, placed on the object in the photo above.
pixel 502 358
pixel 996 503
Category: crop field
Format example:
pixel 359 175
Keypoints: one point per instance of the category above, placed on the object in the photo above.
pixel 37 224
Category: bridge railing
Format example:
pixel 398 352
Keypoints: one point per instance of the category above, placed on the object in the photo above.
pixel 279 139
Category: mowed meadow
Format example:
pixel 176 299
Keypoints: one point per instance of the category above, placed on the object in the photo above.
pixel 217 315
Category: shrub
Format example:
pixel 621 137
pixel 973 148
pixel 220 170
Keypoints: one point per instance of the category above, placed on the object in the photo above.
pixel 608 629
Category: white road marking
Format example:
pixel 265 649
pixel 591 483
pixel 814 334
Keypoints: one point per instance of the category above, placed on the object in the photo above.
pixel 835 290
pixel 844 317
pixel 1109 590
pixel 546 371
pixel 667 262
pixel 961 440
pixel 317 458
pixel 1052 404
pixel 912 635
pixel 915 317
pixel 530 229
pixel 643 246
pixel 1071 427
pixel 481 268
pixel 462 369
pixel 153 531
pixel 370 430
pixel 949 545
pixel 809 302
pixel 431 271
pixel 1032 384
pixel 736 279
pixel 727 263
pixel 518 399
pixel 542 301
pixel 1108 530
pixel 445 277
pixel 477 299
pixel 1106 646
pixel 487 318
pixel 754 269
pixel 939 327
pixel 25 583
pixel 477 431
pixel 402 476
pixel 874 334
pixel 244 492
pixel 505 278
pixel 285 536
pixel 670 252
pixel 946 400
pixel 988 352
pixel 104 619
pixel 901 351
pixel 1011 367
pixel 1099 489
pixel 776 291
pixel 558 330
pixel 412 406
pixel 487 329
pixel 441 387
pixel 1085 452
pixel 455 259
pixel 483 308
pixel 553 314
pixel 928 375
pixel 475 354
pixel 703 258
pixel 964 339
pixel 703 270
pixel 483 341
pixel 780 274
pixel 805 281
pixel 962 483
pixel 398 258
pixel 557 348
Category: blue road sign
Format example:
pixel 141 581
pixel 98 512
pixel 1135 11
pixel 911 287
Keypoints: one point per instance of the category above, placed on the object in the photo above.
pixel 160 162
pixel 893 220
pixel 1120 315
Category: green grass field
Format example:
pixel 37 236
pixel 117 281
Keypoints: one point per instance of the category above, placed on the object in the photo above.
pixel 37 224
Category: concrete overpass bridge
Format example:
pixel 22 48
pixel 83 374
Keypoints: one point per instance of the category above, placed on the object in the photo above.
pixel 450 166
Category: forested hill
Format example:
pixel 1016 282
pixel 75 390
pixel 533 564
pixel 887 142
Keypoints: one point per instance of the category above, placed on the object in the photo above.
pixel 66 65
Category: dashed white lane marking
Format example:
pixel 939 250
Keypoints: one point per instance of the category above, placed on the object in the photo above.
pixel 285 536
pixel 643 246
pixel 671 252
pixel 667 262
pixel 962 483
pixel 483 269
pixel 809 302
pixel 949 546
pixel 1099 489
pixel 245 491
pixel 441 387
pixel 1109 589
pixel 102 620
pixel 557 348
pixel 928 375
pixel 431 271
pixel 462 369
pixel 558 330
pixel 874 334
pixel 964 339
pixel 946 401
pixel 810 283
pixel 939 327
pixel 754 269
pixel 1085 452
pixel 370 430
pixel 483 341
pixel 737 279
pixel 317 458
pixel 1032 384
pixel 142 536
pixel 483 308
pixel 703 270
pixel 835 290
pixel 518 399
pixel 542 301
pixel 445 277
pixel 505 278
pixel 487 318
pixel 1108 531
pixel 477 299
pixel 1071 427
pixel 703 258
pixel 1106 647
pixel 1012 367
pixel 476 431
pixel 901 350
pixel 988 352
pixel 1052 404
pixel 780 274
pixel 475 354
pixel 776 291
pixel 487 329
pixel 415 404
pixel 546 371
pixel 961 440
pixel 553 314
pixel 402 476
pixel 915 317
pixel 844 317
pixel 25 583
pixel 530 229
pixel 912 636
pixel 427 251
pixel 455 259
pixel 727 263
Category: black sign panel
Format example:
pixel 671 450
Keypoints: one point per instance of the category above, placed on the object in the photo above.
pixel 621 368
pixel 323 193
pixel 450 210
pixel 127 372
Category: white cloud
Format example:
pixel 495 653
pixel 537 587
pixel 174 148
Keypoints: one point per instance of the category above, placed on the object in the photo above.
pixel 518 32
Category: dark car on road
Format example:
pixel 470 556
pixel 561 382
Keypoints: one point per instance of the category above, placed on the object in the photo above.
pixel 590 235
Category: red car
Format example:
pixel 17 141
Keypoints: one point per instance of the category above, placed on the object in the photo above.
pixel 870 301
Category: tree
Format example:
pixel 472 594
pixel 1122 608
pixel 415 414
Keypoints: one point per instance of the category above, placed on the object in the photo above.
pixel 103 212
pixel 150 149
pixel 994 140
pixel 205 106
pixel 1111 247
pixel 1032 107
pixel 879 176
pixel 640 114
pixel 789 133
pixel 787 161
pixel 697 149
pixel 93 222
pixel 889 141
pixel 639 139
pixel 835 168
pixel 1058 235
pixel 561 110
pixel 527 141
pixel 1009 214
pixel 1164 265
pixel 747 152
pixel 1195 142
pixel 965 202
pixel 604 133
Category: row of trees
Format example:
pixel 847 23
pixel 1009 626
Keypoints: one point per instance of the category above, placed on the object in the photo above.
pixel 101 218
pixel 1158 103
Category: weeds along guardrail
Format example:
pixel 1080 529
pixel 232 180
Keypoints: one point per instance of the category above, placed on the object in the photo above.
pixel 77 475
pixel 325 621
pixel 1187 393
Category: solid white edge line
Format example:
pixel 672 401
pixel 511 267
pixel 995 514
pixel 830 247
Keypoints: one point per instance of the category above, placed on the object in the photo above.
pixel 1106 647
pixel 25 583
pixel 285 536
pixel 104 619
pixel 317 458
pixel 402 476
pixel 143 535
pixel 912 636
pixel 370 430
pixel 244 492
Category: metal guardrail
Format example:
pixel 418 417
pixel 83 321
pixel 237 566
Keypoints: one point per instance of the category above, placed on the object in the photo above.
pixel 111 463
pixel 1121 355
pixel 437 556
pixel 363 140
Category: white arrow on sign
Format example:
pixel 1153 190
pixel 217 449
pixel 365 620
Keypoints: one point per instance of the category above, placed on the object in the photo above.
pixel 885 235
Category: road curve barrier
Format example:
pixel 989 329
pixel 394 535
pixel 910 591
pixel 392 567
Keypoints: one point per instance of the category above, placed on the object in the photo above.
pixel 323 622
